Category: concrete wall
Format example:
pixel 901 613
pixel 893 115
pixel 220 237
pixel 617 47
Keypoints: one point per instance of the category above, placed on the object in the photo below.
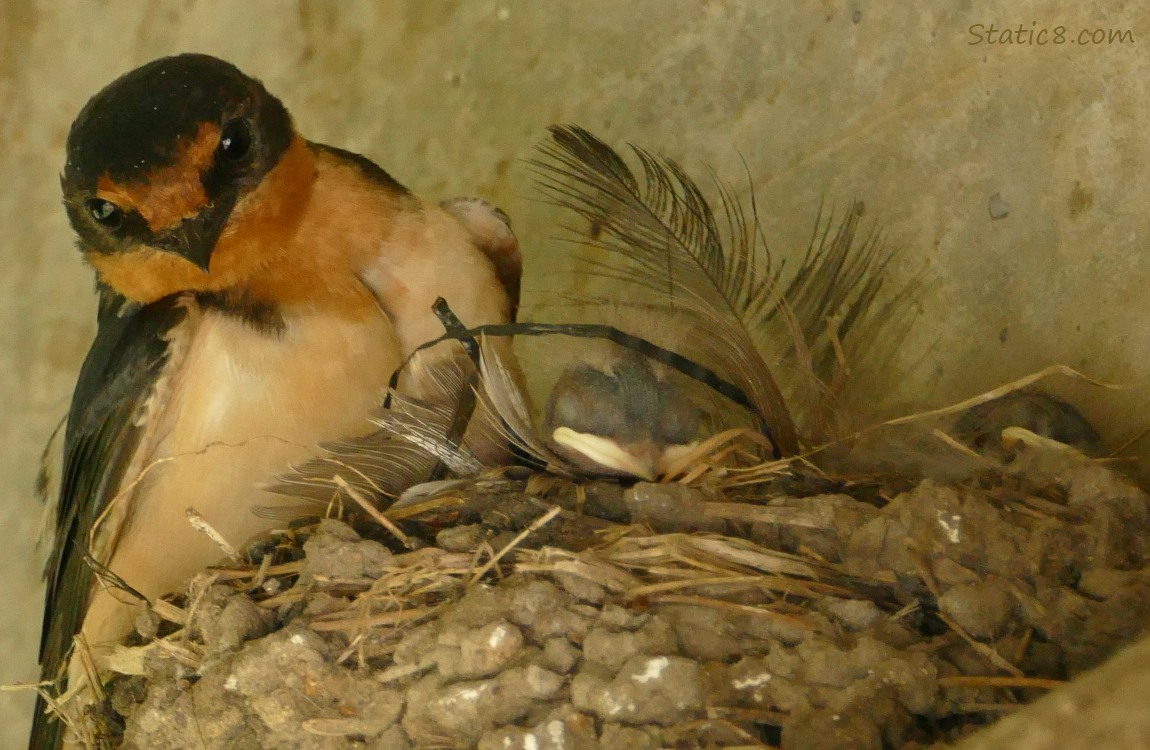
pixel 825 101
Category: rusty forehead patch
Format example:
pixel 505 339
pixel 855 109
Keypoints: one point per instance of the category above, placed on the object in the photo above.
pixel 167 195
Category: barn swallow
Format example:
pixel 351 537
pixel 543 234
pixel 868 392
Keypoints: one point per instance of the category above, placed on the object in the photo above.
pixel 981 426
pixel 615 415
pixel 256 292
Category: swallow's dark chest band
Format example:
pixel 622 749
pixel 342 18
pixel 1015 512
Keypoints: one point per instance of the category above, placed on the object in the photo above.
pixel 261 316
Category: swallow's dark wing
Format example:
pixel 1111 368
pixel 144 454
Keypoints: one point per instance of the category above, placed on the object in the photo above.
pixel 101 436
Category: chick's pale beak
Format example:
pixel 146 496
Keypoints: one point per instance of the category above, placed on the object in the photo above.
pixel 605 453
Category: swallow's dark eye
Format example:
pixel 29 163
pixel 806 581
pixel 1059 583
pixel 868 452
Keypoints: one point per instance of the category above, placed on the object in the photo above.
pixel 235 140
pixel 105 212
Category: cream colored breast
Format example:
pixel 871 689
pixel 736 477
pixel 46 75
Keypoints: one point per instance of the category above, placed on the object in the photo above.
pixel 240 406
pixel 315 380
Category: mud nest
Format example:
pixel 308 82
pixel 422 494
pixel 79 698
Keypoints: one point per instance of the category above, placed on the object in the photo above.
pixel 524 612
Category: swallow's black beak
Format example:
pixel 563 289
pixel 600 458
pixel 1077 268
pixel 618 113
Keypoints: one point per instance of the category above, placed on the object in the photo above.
pixel 195 238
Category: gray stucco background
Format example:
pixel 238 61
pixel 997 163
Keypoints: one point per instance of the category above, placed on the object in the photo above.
pixel 885 101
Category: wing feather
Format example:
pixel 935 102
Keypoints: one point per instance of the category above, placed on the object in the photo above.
pixel 101 435
pixel 708 263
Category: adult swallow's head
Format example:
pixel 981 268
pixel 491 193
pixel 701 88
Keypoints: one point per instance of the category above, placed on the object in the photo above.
pixel 164 162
